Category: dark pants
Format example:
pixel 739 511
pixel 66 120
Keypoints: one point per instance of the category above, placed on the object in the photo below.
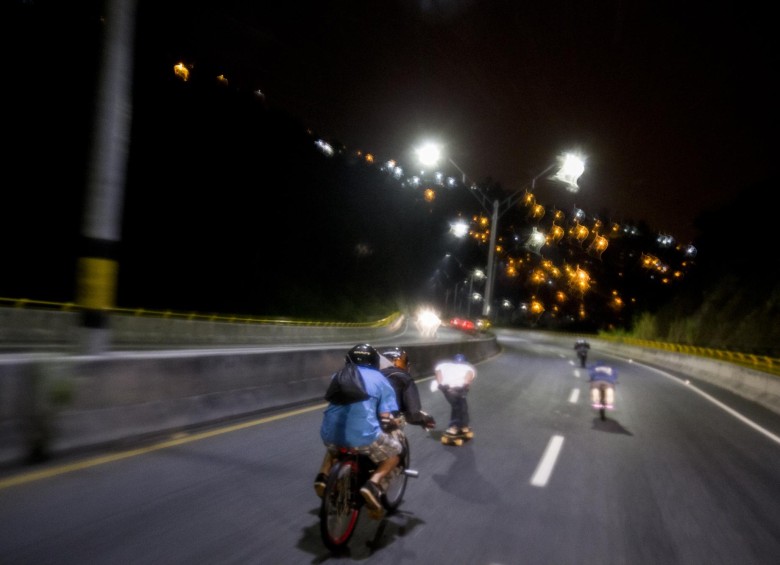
pixel 459 413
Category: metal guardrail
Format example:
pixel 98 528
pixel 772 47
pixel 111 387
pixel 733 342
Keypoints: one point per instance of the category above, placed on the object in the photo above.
pixel 169 314
pixel 759 362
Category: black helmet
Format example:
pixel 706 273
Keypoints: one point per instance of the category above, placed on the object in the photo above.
pixel 398 356
pixel 364 355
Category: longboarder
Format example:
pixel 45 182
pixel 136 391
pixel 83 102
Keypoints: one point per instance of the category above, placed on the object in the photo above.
pixel 454 379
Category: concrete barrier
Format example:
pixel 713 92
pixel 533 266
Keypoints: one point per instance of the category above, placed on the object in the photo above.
pixel 59 404
pixel 760 387
pixel 55 404
pixel 29 328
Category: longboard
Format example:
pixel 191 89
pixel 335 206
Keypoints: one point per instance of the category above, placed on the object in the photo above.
pixel 459 439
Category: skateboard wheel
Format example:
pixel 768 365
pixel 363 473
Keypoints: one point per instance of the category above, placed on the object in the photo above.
pixel 449 440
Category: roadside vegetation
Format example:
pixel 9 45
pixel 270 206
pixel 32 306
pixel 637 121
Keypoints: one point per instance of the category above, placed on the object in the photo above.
pixel 732 301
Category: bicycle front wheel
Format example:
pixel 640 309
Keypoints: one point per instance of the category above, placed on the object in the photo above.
pixel 339 509
pixel 397 484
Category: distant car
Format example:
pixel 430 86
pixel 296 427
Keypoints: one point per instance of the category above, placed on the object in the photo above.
pixel 463 324
pixel 427 322
pixel 482 324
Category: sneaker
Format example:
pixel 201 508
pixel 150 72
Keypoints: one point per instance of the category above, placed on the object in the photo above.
pixel 319 484
pixel 373 496
pixel 452 430
pixel 596 405
pixel 465 430
pixel 609 406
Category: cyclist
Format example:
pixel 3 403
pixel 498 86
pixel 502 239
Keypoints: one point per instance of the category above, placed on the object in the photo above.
pixel 406 392
pixel 581 347
pixel 359 425
pixel 602 378
pixel 454 379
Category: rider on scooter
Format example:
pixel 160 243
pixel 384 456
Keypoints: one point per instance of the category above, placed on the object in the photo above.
pixel 581 347
pixel 602 379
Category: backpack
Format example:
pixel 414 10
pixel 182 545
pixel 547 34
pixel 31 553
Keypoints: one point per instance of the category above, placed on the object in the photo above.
pixel 346 386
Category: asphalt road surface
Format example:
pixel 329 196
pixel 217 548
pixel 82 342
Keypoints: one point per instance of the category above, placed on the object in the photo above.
pixel 679 473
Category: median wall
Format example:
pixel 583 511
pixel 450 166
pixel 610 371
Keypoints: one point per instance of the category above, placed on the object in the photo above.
pixel 59 404
pixel 56 404
pixel 61 330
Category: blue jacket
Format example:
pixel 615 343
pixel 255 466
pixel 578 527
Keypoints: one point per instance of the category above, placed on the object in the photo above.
pixel 603 373
pixel 357 424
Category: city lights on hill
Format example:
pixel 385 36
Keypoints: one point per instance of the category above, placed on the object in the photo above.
pixel 546 228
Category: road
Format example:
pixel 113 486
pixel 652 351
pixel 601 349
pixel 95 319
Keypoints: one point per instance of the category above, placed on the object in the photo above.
pixel 680 473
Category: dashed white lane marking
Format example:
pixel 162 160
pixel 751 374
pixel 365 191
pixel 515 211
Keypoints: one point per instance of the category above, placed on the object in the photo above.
pixel 576 373
pixel 574 395
pixel 546 465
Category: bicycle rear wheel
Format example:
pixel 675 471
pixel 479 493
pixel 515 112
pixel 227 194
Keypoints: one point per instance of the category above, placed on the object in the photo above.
pixel 396 487
pixel 603 396
pixel 339 509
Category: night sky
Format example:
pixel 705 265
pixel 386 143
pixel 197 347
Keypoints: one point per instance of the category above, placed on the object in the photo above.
pixel 670 106
pixel 670 102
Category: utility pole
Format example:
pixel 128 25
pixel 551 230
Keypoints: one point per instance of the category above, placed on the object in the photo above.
pixel 97 267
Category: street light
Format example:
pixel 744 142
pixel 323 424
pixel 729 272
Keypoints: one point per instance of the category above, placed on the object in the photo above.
pixel 429 154
pixel 570 168
pixel 475 274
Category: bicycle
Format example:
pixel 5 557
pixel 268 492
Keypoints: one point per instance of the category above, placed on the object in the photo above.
pixel 342 501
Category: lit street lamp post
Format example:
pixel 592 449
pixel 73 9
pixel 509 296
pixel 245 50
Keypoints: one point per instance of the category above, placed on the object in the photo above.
pixel 501 207
pixel 570 168
pixel 461 285
pixel 476 274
